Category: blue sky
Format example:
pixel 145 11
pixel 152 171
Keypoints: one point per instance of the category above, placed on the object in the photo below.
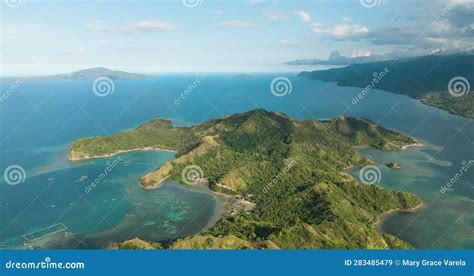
pixel 46 37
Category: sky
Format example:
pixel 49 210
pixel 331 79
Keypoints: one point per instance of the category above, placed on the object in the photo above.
pixel 52 36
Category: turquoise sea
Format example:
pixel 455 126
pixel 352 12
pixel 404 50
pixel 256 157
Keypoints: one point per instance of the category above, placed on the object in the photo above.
pixel 53 208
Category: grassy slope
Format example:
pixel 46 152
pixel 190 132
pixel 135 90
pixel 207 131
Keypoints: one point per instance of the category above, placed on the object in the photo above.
pixel 415 77
pixel 311 204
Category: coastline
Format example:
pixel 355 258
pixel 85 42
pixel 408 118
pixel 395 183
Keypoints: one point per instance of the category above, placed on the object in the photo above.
pixel 413 145
pixel 361 148
pixel 154 185
pixel 117 153
pixel 384 216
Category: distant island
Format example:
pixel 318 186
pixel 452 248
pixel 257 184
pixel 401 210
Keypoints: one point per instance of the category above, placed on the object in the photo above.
pixel 90 74
pixel 290 173
pixel 425 78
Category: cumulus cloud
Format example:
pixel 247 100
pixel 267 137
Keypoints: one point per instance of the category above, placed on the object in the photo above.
pixel 343 31
pixel 237 24
pixel 347 31
pixel 305 17
pixel 151 26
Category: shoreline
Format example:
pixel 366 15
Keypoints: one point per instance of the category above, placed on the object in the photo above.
pixel 361 148
pixel 118 153
pixel 413 145
pixel 385 215
pixel 154 185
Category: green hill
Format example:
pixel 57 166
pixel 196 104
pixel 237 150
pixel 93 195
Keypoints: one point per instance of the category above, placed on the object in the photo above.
pixel 424 78
pixel 292 170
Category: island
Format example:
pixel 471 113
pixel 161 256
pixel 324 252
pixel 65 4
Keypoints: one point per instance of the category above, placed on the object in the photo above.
pixel 292 172
pixel 86 74
pixel 394 165
pixel 425 78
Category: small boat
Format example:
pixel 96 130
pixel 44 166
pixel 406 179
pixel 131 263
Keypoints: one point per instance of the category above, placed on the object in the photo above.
pixel 126 163
pixel 51 179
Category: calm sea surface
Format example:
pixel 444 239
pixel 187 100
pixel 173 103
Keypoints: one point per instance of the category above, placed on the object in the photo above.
pixel 54 208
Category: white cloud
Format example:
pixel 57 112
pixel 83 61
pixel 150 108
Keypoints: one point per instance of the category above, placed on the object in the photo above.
pixel 346 31
pixel 305 17
pixel 361 53
pixel 218 12
pixel 237 24
pixel 340 31
pixel 317 27
pixel 151 26
pixel 346 19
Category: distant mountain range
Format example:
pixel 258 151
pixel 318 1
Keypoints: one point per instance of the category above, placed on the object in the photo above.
pixel 425 78
pixel 89 74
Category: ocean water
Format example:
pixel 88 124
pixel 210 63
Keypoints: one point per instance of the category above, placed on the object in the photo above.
pixel 41 118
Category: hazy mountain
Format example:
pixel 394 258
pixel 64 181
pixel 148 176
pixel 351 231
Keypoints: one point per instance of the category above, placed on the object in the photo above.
pixel 86 74
pixel 93 73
